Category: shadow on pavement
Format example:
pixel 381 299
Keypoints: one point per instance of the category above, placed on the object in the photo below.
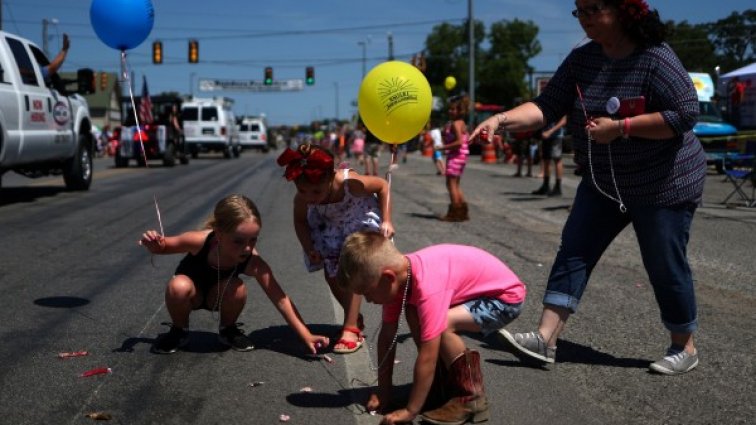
pixel 282 339
pixel 570 352
pixel 61 302
pixel 345 397
pixel 13 195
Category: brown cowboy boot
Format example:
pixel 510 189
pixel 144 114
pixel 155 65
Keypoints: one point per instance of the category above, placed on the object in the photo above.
pixel 468 402
pixel 463 215
pixel 452 214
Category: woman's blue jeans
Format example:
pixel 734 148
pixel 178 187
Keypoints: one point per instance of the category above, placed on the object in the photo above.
pixel 662 233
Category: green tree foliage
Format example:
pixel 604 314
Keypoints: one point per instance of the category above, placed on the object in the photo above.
pixel 503 73
pixel 447 54
pixel 734 38
pixel 692 45
pixel 500 69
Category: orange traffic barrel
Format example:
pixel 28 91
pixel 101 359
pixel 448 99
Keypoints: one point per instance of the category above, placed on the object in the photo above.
pixel 488 153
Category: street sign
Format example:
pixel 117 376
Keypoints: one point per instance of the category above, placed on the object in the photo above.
pixel 250 85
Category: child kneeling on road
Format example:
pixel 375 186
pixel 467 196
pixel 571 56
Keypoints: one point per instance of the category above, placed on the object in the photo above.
pixel 444 289
pixel 208 276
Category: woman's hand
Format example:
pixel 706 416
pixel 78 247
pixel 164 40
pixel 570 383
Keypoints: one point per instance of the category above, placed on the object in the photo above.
pixel 603 130
pixel 490 126
pixel 398 417
pixel 153 241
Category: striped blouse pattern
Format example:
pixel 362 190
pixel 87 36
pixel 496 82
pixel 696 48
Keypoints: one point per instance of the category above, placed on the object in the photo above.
pixel 648 172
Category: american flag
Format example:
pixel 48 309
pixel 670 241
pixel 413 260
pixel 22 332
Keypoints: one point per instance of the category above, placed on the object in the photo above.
pixel 145 104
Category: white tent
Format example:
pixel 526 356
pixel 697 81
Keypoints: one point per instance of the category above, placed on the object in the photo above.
pixel 748 70
pixel 747 110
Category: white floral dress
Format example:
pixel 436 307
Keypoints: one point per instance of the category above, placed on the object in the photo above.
pixel 330 224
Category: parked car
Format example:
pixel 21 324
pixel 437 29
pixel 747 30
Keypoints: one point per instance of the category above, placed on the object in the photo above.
pixel 209 125
pixel 253 133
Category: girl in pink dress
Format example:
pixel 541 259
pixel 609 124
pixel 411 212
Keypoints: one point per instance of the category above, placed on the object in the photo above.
pixel 455 144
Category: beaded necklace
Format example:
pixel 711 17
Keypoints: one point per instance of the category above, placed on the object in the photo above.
pixel 401 313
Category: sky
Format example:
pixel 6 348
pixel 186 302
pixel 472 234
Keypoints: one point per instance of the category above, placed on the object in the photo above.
pixel 239 38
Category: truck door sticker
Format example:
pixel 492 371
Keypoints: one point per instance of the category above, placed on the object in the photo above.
pixel 60 113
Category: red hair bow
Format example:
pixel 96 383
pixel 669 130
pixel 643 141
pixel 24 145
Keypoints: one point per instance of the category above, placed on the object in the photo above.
pixel 635 9
pixel 310 162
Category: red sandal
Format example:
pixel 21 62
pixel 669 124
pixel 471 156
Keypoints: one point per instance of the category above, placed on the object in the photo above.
pixel 350 346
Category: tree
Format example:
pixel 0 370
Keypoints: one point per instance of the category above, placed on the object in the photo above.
pixel 447 54
pixel 734 38
pixel 500 70
pixel 504 70
pixel 692 45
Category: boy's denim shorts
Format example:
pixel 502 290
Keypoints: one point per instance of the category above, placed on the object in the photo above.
pixel 492 314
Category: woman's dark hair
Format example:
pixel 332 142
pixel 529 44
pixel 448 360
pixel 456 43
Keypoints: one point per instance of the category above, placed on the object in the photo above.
pixel 641 23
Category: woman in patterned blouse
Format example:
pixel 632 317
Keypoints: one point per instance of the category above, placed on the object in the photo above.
pixel 631 109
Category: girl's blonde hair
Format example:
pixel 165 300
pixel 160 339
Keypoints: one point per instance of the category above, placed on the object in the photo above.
pixel 231 211
pixel 363 256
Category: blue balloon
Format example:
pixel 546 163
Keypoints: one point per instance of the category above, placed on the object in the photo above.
pixel 122 24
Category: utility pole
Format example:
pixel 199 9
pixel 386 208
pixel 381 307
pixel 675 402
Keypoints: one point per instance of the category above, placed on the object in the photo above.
pixel 364 45
pixel 471 59
pixel 336 87
pixel 390 46
pixel 45 50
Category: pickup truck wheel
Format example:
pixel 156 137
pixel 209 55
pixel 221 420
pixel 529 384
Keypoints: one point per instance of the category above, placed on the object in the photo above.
pixel 169 156
pixel 77 171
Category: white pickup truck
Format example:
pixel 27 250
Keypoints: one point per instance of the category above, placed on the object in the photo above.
pixel 44 129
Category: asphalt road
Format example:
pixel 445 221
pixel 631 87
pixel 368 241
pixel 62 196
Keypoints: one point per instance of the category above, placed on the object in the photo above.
pixel 73 278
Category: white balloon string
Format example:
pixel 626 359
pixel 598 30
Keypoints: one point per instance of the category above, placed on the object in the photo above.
pixel 391 167
pixel 127 79
pixel 125 66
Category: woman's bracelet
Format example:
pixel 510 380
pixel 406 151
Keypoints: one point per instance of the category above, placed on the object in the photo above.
pixel 499 120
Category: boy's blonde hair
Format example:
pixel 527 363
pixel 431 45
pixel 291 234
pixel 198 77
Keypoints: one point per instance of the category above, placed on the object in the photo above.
pixel 363 256
pixel 231 211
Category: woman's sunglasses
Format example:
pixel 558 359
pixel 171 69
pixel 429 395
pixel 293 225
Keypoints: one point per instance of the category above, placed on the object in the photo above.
pixel 588 11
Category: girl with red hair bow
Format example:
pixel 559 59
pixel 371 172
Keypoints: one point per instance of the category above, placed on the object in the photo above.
pixel 328 207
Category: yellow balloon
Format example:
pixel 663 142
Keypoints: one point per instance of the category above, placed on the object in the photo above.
pixel 450 82
pixel 395 101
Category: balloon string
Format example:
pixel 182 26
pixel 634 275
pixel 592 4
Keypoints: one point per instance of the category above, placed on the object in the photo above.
pixel 392 166
pixel 125 75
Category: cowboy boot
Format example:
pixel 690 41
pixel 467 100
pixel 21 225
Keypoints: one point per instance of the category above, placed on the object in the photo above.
pixel 452 214
pixel 544 189
pixel 468 400
pixel 463 212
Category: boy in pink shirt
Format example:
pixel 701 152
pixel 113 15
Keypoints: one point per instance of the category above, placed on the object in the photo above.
pixel 444 289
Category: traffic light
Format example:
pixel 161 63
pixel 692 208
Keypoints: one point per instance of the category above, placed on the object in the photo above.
pixel 103 81
pixel 193 51
pixel 268 81
pixel 157 52
pixel 310 75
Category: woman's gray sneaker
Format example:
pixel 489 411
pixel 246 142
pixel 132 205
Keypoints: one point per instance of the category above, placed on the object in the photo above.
pixel 676 361
pixel 527 346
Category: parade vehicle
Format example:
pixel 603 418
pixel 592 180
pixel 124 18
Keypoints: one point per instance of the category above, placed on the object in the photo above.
pixel 160 139
pixel 253 133
pixel 209 125
pixel 45 128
